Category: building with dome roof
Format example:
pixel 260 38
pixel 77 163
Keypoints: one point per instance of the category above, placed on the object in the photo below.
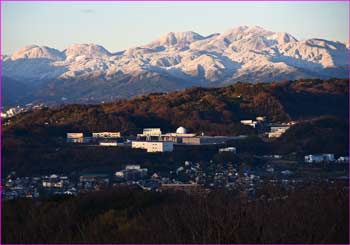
pixel 177 137
pixel 181 130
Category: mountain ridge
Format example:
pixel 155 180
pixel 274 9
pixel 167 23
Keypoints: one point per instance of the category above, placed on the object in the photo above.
pixel 240 54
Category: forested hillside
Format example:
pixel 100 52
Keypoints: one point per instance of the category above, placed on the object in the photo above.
pixel 215 111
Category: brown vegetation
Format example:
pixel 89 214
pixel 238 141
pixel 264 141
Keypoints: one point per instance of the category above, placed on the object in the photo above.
pixel 210 110
pixel 315 214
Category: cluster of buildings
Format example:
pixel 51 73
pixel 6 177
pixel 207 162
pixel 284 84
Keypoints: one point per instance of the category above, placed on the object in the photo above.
pixel 258 122
pixel 326 157
pixel 93 181
pixel 270 130
pixel 154 140
pixel 13 111
pixel 151 139
pixel 228 149
pixel 34 187
pixel 20 187
pixel 131 172
pixel 54 181
pixel 181 136
pixel 197 178
pixel 190 177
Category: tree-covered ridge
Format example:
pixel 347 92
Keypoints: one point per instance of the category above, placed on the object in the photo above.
pixel 212 110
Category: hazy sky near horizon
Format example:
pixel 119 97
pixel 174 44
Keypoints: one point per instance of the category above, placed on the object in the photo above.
pixel 121 25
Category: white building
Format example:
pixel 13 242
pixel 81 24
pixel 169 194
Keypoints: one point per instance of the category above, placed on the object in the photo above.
pixel 249 123
pixel 132 172
pixel 50 184
pixel 176 137
pixel 12 112
pixel 277 131
pixel 319 158
pixel 132 167
pixel 155 134
pixel 151 132
pixel 260 119
pixel 106 135
pixel 109 143
pixel 153 146
pixel 53 181
pixel 75 137
pixel 228 149
pixel 207 140
pixel 343 159
pixel 119 174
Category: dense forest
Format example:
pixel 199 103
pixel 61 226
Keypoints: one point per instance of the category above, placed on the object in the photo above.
pixel 317 213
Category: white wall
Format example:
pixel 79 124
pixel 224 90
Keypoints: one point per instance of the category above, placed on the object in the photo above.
pixel 153 146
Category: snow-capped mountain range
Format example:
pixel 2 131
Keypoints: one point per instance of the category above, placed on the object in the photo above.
pixel 185 58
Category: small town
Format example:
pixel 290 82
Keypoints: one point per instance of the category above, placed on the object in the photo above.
pixel 190 177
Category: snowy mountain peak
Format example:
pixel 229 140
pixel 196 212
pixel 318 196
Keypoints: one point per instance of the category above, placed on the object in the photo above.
pixel 176 40
pixel 37 52
pixel 256 29
pixel 245 32
pixel 256 34
pixel 187 36
pixel 241 53
pixel 86 50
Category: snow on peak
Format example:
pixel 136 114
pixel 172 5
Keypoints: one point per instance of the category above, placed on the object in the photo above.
pixel 237 52
pixel 283 37
pixel 37 52
pixel 86 50
pixel 187 36
pixel 244 32
pixel 180 40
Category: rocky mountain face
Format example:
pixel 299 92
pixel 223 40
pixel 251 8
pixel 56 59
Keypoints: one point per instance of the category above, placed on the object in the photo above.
pixel 88 73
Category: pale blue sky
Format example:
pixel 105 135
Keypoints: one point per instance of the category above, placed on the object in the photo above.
pixel 120 25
